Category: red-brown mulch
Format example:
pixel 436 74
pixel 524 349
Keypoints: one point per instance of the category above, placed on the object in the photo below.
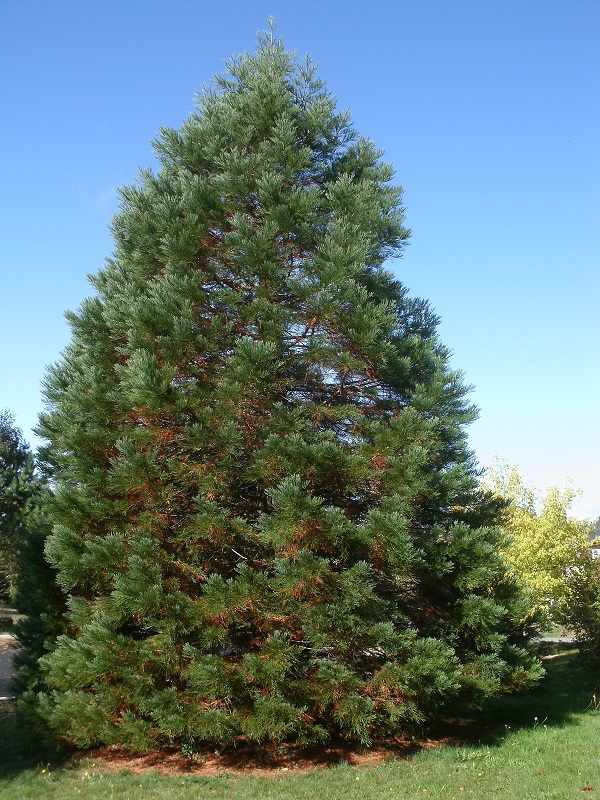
pixel 269 760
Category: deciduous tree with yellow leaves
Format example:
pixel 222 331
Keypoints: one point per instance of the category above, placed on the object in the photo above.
pixel 547 549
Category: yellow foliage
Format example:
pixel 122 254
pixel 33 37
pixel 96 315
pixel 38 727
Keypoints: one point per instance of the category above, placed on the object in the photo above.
pixel 547 550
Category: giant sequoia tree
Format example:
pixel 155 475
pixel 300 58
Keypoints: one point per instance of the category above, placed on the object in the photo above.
pixel 266 516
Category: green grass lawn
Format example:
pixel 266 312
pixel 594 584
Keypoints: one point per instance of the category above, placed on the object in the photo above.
pixel 543 744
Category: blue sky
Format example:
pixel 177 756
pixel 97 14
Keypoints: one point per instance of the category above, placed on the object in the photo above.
pixel 489 110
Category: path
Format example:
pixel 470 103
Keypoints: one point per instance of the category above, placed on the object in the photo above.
pixel 6 667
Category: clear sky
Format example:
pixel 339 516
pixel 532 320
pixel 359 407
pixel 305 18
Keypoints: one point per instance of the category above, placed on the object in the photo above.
pixel 489 110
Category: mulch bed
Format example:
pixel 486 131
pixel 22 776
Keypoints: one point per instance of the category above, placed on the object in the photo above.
pixel 272 759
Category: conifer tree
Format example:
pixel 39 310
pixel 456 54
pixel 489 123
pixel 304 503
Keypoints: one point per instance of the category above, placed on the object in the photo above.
pixel 19 490
pixel 266 515
pixel 26 578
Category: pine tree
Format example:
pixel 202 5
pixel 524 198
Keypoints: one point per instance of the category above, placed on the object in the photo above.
pixel 266 515
pixel 27 580
pixel 19 490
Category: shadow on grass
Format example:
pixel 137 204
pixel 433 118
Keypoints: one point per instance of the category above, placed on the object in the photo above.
pixel 566 691
pixel 22 748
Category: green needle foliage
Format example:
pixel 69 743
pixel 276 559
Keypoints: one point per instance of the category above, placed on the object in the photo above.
pixel 266 515
pixel 19 493
pixel 26 578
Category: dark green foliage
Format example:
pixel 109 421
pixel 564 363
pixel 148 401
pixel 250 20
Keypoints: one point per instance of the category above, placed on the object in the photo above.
pixel 266 515
pixel 27 574
pixel 583 616
pixel 19 491
pixel 40 600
